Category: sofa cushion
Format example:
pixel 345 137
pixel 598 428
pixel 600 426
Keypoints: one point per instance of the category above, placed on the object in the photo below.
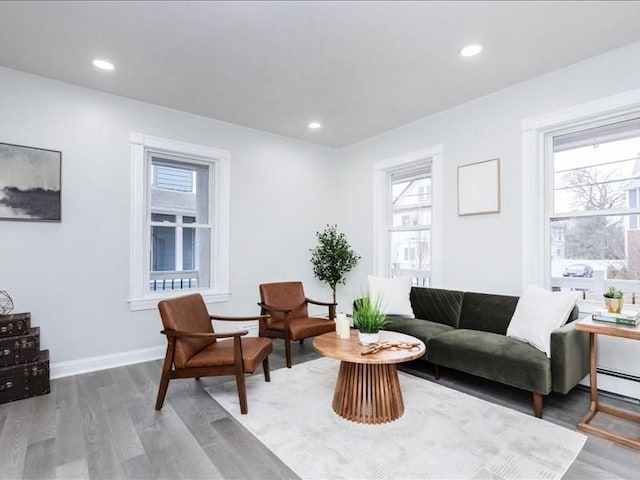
pixel 393 294
pixel 437 305
pixel 538 313
pixel 487 312
pixel 421 329
pixel 492 356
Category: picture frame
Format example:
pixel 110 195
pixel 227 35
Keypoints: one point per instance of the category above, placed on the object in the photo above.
pixel 30 183
pixel 479 187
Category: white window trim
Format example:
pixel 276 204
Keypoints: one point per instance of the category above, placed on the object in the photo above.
pixel 536 133
pixel 381 170
pixel 140 298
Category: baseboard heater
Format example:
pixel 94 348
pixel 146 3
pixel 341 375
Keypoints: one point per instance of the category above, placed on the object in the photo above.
pixel 613 373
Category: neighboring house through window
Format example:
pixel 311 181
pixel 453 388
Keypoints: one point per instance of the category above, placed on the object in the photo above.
pixel 410 228
pixel 179 250
pixel 404 202
pixel 179 221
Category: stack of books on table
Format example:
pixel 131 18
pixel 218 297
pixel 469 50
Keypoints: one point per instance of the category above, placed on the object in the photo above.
pixel 623 318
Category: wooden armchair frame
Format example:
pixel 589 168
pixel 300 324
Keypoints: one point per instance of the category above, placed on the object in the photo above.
pixel 284 334
pixel 170 371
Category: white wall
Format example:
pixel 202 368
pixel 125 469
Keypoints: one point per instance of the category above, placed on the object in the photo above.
pixel 73 276
pixel 483 253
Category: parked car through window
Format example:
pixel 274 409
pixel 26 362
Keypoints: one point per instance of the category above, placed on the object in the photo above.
pixel 578 270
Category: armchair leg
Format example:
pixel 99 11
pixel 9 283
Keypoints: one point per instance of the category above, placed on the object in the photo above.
pixel 265 368
pixel 242 392
pixel 301 341
pixel 437 372
pixel 287 351
pixel 166 376
pixel 162 390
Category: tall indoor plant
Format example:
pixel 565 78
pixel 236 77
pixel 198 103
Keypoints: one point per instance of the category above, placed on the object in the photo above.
pixel 333 257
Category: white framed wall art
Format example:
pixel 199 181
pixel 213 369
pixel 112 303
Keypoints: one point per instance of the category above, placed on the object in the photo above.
pixel 479 187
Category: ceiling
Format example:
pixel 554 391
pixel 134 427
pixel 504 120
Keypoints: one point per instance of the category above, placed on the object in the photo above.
pixel 360 68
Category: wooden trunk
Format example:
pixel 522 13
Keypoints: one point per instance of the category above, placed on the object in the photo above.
pixel 15 324
pixel 25 380
pixel 20 348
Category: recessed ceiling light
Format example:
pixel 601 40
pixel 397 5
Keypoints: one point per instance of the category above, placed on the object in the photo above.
pixel 103 64
pixel 314 125
pixel 471 50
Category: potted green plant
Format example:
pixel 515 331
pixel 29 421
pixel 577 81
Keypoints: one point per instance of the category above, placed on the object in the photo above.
pixel 368 319
pixel 333 257
pixel 613 299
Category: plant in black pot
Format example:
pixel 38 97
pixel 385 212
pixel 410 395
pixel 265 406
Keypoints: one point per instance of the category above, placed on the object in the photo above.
pixel 613 299
pixel 368 319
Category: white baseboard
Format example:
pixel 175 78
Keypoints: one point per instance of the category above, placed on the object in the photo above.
pixel 102 362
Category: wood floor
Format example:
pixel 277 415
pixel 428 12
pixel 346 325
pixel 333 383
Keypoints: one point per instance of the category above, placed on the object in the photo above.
pixel 103 425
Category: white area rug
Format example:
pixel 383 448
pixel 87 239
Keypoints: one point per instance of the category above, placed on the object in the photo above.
pixel 442 434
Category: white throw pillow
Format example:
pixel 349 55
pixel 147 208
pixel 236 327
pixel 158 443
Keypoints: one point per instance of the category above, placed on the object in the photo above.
pixel 538 313
pixel 393 294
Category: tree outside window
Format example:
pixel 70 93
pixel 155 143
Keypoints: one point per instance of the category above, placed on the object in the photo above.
pixel 594 219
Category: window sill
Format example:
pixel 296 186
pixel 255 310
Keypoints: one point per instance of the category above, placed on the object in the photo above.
pixel 589 307
pixel 150 301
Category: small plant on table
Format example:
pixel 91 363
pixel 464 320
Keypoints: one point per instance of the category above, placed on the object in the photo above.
pixel 613 299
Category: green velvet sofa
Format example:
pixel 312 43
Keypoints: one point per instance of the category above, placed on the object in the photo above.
pixel 466 331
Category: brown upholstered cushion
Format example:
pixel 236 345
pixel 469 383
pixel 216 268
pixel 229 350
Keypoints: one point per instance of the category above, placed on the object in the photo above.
pixel 186 314
pixel 254 351
pixel 305 327
pixel 284 295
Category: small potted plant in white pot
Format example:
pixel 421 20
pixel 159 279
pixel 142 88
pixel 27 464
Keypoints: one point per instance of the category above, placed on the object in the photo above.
pixel 368 319
pixel 613 299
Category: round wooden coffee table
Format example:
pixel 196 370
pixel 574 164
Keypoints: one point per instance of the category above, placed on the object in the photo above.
pixel 368 389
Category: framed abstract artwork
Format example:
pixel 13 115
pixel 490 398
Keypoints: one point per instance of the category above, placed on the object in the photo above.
pixel 479 187
pixel 30 183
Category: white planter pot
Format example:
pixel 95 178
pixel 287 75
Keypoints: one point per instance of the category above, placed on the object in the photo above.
pixel 368 338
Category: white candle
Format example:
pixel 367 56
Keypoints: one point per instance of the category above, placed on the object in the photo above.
pixel 347 331
pixel 342 325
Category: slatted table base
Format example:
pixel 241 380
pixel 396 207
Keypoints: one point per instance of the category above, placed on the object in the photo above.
pixel 368 393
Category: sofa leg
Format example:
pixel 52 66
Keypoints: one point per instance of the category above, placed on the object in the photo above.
pixel 437 372
pixel 537 404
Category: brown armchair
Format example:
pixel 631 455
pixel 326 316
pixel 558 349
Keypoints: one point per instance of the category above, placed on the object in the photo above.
pixel 193 349
pixel 286 305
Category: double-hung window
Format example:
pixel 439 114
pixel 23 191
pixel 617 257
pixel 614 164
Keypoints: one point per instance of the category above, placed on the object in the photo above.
pixel 403 219
pixel 581 199
pixel 593 214
pixel 409 224
pixel 181 227
pixel 179 221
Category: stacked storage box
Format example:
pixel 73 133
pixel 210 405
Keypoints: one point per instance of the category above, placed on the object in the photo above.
pixel 24 369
